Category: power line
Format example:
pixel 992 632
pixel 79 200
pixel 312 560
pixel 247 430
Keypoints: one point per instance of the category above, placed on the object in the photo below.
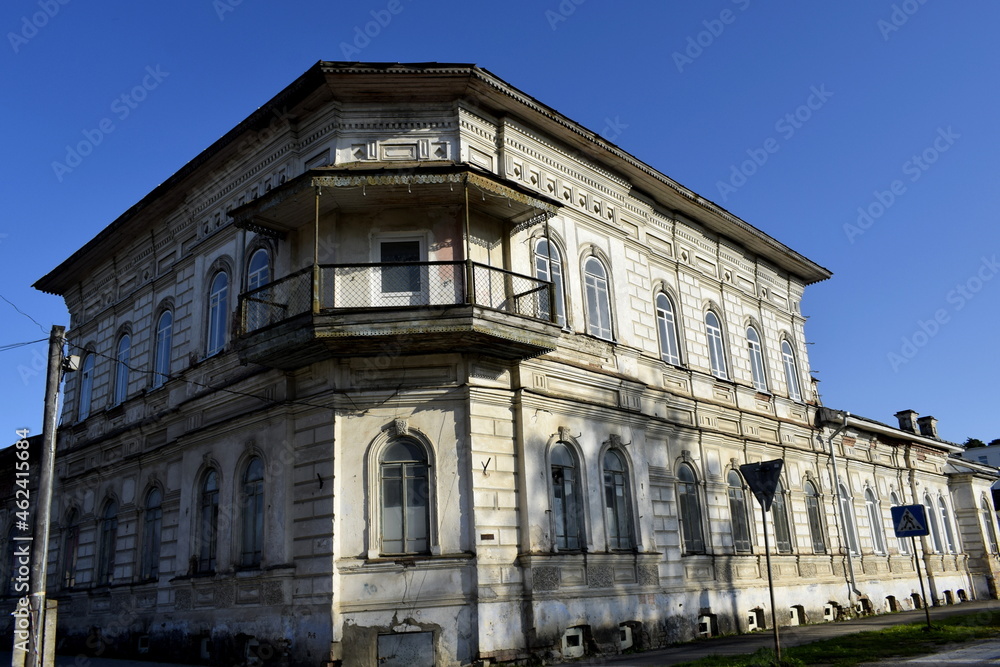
pixel 12 346
pixel 14 306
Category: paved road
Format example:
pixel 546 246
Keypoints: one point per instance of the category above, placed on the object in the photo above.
pixel 980 653
pixel 794 636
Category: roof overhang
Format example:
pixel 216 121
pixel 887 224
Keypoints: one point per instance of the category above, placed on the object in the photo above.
pixel 446 83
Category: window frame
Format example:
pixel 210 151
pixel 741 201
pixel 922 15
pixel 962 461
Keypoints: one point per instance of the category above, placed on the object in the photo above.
pixel 152 534
pixel 931 512
pixel 254 279
pixel 163 343
pixel 548 266
pixel 758 369
pixel 784 541
pixel 597 300
pixel 689 512
pixel 989 518
pixel 739 515
pixel 947 533
pixel 874 512
pixel 666 326
pixel 410 297
pixel 814 513
pixel 903 547
pixel 107 543
pixel 123 359
pixel 208 521
pixel 847 520
pixel 409 469
pixel 218 313
pixel 618 523
pixel 252 503
pixel 716 339
pixel 85 399
pixel 567 515
pixel 71 549
pixel 791 370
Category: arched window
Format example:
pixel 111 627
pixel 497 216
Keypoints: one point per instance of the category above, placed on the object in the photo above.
pixel 218 312
pixel 208 519
pixel 71 549
pixel 258 270
pixel 990 522
pixel 616 502
pixel 716 348
pixel 108 543
pixel 756 360
pixel 598 303
pixel 164 338
pixel 566 502
pixel 850 538
pixel 86 386
pixel 258 275
pixel 152 525
pixel 548 266
pixel 404 473
pixel 930 510
pixel 904 546
pixel 815 518
pixel 122 359
pixel 666 321
pixel 949 536
pixel 690 510
pixel 875 521
pixel 791 371
pixel 738 513
pixel 779 515
pixel 252 506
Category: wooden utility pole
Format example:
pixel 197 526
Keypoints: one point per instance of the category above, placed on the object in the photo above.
pixel 41 649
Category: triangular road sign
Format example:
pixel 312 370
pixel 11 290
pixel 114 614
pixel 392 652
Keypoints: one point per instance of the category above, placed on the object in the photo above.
pixel 763 480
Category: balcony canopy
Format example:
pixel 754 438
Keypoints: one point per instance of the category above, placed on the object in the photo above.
pixel 361 186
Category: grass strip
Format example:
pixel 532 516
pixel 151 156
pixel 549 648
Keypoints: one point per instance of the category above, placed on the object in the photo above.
pixel 900 641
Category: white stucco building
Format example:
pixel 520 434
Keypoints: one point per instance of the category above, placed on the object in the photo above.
pixel 409 368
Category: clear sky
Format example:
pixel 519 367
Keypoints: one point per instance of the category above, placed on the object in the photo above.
pixel 863 134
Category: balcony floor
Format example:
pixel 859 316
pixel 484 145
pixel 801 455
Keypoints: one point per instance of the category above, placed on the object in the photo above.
pixel 468 329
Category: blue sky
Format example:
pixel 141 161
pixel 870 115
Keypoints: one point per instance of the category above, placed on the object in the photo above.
pixel 862 134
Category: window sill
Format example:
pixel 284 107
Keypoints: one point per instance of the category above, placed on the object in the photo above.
pixel 388 561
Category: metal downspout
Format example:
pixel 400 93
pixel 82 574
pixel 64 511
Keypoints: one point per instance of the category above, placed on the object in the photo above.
pixel 852 589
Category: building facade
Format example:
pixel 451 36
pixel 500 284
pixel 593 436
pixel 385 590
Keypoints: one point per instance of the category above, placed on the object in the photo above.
pixel 409 368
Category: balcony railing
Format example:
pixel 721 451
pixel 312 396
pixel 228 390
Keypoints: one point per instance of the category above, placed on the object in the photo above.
pixel 394 286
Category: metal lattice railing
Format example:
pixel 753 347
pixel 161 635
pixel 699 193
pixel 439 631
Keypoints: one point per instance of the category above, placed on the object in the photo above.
pixel 367 286
pixel 277 301
pixel 510 292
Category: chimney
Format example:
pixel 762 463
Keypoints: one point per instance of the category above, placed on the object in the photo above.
pixel 928 426
pixel 907 420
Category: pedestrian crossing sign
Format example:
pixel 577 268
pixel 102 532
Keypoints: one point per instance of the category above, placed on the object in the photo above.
pixel 909 520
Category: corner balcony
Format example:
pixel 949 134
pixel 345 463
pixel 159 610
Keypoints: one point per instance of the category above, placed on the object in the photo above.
pixel 406 308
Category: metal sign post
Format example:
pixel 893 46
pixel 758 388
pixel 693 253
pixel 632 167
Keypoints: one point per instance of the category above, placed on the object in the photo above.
pixel 911 521
pixel 762 478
